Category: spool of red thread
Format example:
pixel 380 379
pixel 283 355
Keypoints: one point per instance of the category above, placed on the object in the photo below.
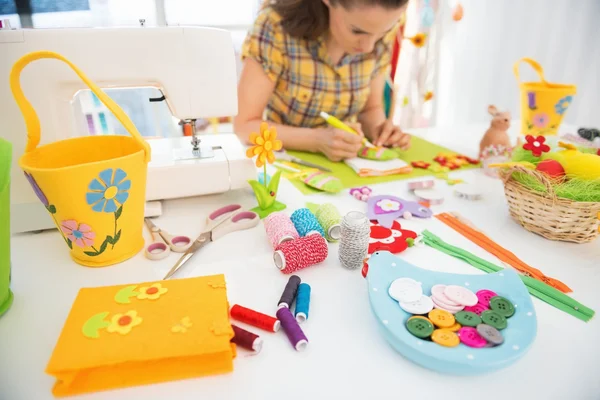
pixel 245 339
pixel 255 318
pixel 300 253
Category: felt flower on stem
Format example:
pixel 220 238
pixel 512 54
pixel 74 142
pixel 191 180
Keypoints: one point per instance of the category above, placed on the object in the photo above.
pixel 536 145
pixel 265 144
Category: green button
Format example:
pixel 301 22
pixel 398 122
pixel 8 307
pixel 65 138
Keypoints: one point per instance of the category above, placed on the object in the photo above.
pixel 467 318
pixel 420 327
pixel 502 306
pixel 494 319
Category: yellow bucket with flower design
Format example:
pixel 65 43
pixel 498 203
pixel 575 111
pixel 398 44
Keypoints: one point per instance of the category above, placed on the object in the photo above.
pixel 543 104
pixel 94 187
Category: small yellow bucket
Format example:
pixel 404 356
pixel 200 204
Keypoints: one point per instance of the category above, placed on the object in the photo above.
pixel 543 104
pixel 94 187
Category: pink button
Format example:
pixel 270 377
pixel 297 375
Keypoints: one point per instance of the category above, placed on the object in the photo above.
pixel 477 308
pixel 447 307
pixel 461 295
pixel 437 291
pixel 470 337
pixel 484 296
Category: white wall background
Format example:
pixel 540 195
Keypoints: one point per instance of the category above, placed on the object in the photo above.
pixel 477 56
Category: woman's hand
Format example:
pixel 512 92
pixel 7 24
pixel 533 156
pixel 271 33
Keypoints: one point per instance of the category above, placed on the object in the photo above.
pixel 389 135
pixel 338 145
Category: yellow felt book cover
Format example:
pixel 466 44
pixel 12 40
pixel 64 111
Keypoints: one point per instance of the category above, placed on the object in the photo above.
pixel 129 335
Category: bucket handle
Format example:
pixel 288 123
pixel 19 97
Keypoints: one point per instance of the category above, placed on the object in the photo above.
pixel 534 64
pixel 33 122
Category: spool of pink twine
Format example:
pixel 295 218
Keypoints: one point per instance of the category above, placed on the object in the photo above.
pixel 280 228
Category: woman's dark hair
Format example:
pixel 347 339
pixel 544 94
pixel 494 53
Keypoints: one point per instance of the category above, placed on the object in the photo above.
pixel 310 18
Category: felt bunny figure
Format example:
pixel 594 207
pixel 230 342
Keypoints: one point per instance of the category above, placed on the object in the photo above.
pixel 497 134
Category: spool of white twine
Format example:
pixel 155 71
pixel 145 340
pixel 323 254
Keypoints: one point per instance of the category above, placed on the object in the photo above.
pixel 354 243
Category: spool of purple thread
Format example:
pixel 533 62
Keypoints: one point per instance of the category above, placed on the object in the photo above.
pixel 292 329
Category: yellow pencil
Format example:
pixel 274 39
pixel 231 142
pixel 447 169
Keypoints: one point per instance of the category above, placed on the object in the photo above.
pixel 336 123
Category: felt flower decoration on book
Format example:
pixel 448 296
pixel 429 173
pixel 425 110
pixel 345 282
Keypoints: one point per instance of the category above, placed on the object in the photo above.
pixel 129 335
pixel 377 153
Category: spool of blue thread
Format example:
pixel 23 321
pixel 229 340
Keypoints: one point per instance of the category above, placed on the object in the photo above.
pixel 306 222
pixel 302 302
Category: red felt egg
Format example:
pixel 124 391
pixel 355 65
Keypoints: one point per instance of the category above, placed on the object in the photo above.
pixel 551 168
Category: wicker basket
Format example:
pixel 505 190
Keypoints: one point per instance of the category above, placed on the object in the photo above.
pixel 547 215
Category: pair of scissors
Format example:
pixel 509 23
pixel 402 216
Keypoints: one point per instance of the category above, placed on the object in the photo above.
pixel 220 222
pixel 163 243
pixel 283 155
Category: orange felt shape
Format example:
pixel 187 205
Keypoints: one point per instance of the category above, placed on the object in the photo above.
pixel 129 335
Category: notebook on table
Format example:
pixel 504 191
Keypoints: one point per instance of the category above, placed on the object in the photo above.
pixel 364 167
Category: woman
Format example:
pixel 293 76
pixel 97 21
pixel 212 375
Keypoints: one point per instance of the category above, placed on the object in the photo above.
pixel 306 56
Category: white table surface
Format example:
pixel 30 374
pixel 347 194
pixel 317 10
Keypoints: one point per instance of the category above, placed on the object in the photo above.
pixel 347 358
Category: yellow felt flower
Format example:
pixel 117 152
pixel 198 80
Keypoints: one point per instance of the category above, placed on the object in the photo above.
pixel 151 292
pixel 123 323
pixel 418 40
pixel 428 96
pixel 264 145
pixel 182 326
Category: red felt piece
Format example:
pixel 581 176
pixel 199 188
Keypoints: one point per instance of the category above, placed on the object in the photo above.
pixel 420 164
pixel 386 239
pixel 441 160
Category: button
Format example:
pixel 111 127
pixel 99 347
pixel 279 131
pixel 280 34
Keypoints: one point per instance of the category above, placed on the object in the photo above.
pixel 419 316
pixel 491 334
pixel 405 290
pixel 455 328
pixel 467 318
pixel 469 336
pixel 494 319
pixel 420 327
pixel 484 296
pixel 420 307
pixel 461 295
pixel 477 308
pixel 502 306
pixel 437 292
pixel 446 307
pixel 441 318
pixel 445 337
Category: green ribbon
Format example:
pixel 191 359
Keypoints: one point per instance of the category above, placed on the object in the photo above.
pixel 536 288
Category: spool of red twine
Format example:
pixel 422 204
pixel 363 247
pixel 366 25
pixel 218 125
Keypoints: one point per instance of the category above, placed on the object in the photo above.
pixel 255 318
pixel 300 253
pixel 245 339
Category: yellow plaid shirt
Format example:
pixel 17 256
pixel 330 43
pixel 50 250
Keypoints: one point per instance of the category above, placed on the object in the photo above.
pixel 306 81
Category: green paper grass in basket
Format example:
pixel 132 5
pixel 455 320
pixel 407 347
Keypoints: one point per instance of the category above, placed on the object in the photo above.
pixel 575 174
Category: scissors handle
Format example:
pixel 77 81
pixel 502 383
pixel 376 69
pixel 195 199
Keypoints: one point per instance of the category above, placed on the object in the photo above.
pixel 158 249
pixel 179 244
pixel 220 215
pixel 240 220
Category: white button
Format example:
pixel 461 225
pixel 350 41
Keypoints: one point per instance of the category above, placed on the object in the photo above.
pixel 437 292
pixel 461 295
pixel 421 306
pixel 446 307
pixel 405 290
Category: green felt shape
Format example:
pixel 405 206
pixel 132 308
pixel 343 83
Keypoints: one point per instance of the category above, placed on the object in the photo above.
pixel 377 154
pixel 324 182
pixel 94 324
pixel 265 195
pixel 263 213
pixel 421 150
pixel 123 295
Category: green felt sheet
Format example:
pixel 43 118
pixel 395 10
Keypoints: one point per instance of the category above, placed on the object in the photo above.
pixel 421 150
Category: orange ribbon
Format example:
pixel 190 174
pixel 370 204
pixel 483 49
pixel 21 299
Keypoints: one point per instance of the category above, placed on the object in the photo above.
pixel 494 248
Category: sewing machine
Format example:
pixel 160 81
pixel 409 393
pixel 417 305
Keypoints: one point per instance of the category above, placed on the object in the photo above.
pixel 195 70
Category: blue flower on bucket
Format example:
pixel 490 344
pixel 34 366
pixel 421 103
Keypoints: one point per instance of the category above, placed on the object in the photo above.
pixel 109 192
pixel 561 106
